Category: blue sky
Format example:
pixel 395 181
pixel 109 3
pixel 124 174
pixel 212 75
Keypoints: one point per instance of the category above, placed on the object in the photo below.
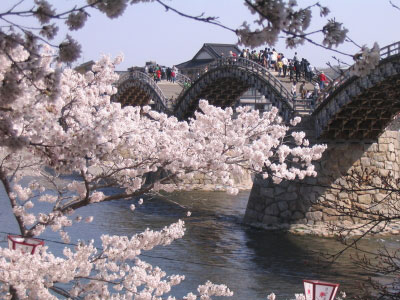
pixel 147 32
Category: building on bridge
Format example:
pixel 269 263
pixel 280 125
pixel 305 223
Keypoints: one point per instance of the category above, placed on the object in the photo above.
pixel 85 67
pixel 209 53
pixel 206 55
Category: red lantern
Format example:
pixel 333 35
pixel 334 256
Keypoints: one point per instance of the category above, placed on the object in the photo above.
pixel 319 290
pixel 23 244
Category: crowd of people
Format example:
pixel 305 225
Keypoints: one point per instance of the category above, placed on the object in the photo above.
pixel 159 73
pixel 272 60
pixel 294 68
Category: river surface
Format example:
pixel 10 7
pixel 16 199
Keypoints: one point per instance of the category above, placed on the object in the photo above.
pixel 216 246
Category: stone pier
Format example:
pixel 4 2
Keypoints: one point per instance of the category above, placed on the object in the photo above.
pixel 297 202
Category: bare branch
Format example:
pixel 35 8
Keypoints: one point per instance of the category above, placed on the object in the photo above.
pixel 200 18
pixel 13 201
pixel 394 5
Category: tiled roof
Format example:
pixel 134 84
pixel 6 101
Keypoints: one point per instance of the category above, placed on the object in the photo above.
pixel 214 50
pixel 219 50
pixel 83 68
pixel 194 63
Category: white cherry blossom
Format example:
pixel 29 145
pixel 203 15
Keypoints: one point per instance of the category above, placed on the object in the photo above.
pixel 80 131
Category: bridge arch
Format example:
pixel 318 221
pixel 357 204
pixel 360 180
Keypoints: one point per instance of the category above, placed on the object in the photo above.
pixel 353 121
pixel 138 89
pixel 226 80
pixel 361 107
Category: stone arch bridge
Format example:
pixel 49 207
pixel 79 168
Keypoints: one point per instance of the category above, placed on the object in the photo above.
pixel 222 85
pixel 351 117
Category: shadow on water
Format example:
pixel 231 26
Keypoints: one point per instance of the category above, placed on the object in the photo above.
pixel 290 259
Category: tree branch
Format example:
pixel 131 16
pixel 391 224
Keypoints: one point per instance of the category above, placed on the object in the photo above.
pixel 210 20
pixel 395 6
pixel 13 201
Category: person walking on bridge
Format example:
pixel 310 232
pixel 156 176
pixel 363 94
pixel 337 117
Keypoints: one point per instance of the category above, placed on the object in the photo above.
pixel 265 58
pixel 285 63
pixel 316 89
pixel 169 74
pixel 158 74
pixel 297 69
pixel 274 58
pixel 303 90
pixel 310 72
pixel 294 90
pixel 173 75
pixel 279 65
pixel 291 70
pixel 322 80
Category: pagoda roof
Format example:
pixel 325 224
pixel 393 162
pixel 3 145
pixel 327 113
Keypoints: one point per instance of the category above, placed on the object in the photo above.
pixel 207 54
pixel 194 64
pixel 217 50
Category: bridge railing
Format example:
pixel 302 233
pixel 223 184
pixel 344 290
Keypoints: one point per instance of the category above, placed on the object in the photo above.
pixel 185 82
pixel 182 80
pixel 123 75
pixel 385 52
pixel 256 68
pixel 137 75
pixel 390 50
pixel 303 106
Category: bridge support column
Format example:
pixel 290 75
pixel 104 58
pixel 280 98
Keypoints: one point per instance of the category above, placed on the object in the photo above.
pixel 297 202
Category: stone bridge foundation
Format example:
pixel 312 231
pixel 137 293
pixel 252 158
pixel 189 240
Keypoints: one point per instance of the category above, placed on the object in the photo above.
pixel 297 202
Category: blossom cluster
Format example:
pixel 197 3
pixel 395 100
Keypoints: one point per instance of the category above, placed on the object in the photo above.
pixel 366 60
pixel 334 34
pixel 276 16
pixel 82 131
pixel 45 13
pixel 14 35
pixel 115 272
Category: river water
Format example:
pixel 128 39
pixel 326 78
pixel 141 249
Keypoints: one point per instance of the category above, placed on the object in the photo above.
pixel 216 246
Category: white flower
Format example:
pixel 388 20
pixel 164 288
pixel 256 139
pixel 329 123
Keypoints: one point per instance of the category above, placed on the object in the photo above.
pixel 295 121
pixel 334 34
pixel 271 296
pixel 43 12
pixel 49 31
pixel 28 205
pixel 76 20
pixel 112 8
pixel 29 219
pixel 96 197
pixel 300 296
pixel 69 50
pixel 366 60
pixel 324 11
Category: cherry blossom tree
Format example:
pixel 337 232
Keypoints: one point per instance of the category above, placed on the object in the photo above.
pixel 52 116
pixel 80 131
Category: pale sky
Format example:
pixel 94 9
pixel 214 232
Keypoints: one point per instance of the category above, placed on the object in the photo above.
pixel 147 32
